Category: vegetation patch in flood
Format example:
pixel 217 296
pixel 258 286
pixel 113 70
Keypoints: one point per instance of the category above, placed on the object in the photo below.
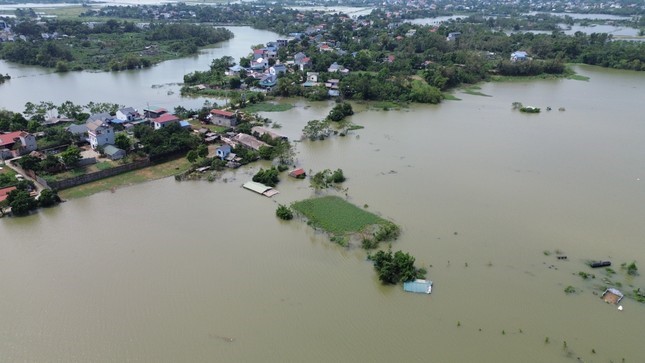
pixel 340 218
pixel 268 107
pixel 474 90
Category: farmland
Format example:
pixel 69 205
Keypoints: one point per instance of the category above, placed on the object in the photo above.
pixel 340 218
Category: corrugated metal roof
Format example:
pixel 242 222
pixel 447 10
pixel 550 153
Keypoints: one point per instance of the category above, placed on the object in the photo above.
pixel 260 188
pixel 420 286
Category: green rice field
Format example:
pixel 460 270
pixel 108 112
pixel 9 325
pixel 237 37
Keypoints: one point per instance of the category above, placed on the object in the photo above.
pixel 336 216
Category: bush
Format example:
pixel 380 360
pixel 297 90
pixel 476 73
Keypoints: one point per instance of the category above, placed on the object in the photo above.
pixel 283 212
pixel 393 268
pixel 48 198
pixel 267 177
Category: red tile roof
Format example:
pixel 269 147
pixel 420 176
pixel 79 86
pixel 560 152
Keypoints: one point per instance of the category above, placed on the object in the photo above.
pixel 4 193
pixel 222 113
pixel 166 117
pixel 8 139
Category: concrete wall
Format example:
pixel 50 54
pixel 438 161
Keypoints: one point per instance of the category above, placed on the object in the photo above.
pixel 82 179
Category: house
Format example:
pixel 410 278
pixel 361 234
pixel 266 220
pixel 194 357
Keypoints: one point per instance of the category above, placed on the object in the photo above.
pixel 260 131
pixel 268 81
pixel 223 118
pixel 453 36
pixel 281 42
pixel 20 142
pixel 298 173
pixel 113 152
pixel 305 63
pixel 332 83
pixel 298 57
pixel 99 133
pixel 103 117
pixel 519 56
pixel 278 69
pixel 223 151
pixel 153 111
pixel 259 64
pixel 312 79
pixel 249 141
pixel 127 114
pixel 257 53
pixel 235 70
pixel 165 120
pixel 334 67
pixel 79 130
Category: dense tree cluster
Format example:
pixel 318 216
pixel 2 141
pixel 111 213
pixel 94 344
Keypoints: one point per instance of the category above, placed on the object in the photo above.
pixel 267 177
pixel 168 140
pixel 72 45
pixel 394 268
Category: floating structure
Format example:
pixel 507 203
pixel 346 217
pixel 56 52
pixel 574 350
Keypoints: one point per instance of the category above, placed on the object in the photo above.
pixel 612 296
pixel 419 286
pixel 260 189
pixel 597 264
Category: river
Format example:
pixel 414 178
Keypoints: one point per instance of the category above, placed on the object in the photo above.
pixel 195 271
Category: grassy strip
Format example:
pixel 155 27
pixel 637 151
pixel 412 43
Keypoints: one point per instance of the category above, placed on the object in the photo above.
pixel 267 107
pixel 335 215
pixel 450 97
pixel 154 172
pixel 474 90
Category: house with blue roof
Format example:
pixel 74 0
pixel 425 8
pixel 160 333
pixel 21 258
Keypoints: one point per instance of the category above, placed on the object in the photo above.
pixel 268 81
pixel 278 69
pixel 223 151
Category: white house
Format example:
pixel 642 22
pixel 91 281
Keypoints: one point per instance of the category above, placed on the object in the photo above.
pixel 100 134
pixel 128 114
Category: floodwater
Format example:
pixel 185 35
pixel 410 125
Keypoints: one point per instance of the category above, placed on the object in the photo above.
pixel 204 272
pixel 158 85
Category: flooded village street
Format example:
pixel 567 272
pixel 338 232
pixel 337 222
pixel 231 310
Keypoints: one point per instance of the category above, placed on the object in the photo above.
pixel 170 271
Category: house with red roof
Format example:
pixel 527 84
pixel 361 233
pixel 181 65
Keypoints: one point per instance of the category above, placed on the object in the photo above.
pixel 165 120
pixel 223 118
pixel 4 193
pixel 18 143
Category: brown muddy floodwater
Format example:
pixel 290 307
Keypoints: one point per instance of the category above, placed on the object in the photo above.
pixel 204 272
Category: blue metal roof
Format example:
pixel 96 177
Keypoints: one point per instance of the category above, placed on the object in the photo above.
pixel 420 286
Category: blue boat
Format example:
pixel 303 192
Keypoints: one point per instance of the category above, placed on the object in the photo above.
pixel 419 286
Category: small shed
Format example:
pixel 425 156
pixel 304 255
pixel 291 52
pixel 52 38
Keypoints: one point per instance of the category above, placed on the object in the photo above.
pixel 113 152
pixel 298 173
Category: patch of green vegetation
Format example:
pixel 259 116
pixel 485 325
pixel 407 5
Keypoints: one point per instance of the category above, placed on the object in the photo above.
pixel 395 267
pixel 450 97
pixel 268 107
pixel 283 212
pixel 585 275
pixel 474 90
pixel 578 77
pixel 385 105
pixel 103 165
pixel 341 218
pixel 570 290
